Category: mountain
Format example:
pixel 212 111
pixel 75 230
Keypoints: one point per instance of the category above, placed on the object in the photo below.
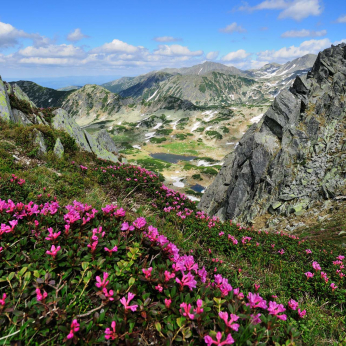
pixel 294 158
pixel 205 68
pixel 41 96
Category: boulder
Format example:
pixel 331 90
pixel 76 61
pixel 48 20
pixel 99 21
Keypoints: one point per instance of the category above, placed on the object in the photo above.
pixel 39 142
pixel 21 118
pixel 58 149
pixel 5 107
pixel 105 141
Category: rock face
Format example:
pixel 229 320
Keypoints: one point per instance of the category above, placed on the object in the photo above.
pixel 295 156
pixel 5 108
pixel 58 149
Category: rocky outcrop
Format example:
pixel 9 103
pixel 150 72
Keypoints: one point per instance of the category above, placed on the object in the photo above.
pixel 295 156
pixel 102 145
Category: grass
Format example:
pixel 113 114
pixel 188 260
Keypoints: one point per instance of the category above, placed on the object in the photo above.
pixel 191 147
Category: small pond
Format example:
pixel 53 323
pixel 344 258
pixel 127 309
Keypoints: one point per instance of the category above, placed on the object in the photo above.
pixel 172 158
pixel 197 188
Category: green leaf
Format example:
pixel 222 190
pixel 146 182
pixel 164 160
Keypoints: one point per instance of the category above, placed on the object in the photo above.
pixel 10 276
pixel 132 281
pixel 158 326
pixel 22 271
pixel 85 265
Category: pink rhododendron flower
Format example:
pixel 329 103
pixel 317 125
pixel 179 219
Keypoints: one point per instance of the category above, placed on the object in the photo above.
pixel 293 304
pixel 147 272
pixel 185 310
pixel 168 275
pixel 110 251
pixel 111 334
pixel 140 223
pixel 240 295
pixel 126 227
pixel 333 286
pixel 209 340
pixel 168 303
pixel 40 296
pixel 126 303
pixel 230 323
pixel 255 319
pixel 341 258
pixel 102 283
pixel 308 251
pixel 257 287
pixel 316 266
pixel 52 235
pixel 187 280
pixel 74 329
pixel 202 273
pixel 199 309
pixel 93 246
pixel 159 288
pixel 2 301
pixel 275 309
pixel 119 213
pixel 308 275
pixel 301 313
pixel 256 301
pixel 108 294
pixel 281 252
pixel 53 251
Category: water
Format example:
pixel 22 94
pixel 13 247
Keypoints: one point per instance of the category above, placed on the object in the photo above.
pixel 172 158
pixel 198 188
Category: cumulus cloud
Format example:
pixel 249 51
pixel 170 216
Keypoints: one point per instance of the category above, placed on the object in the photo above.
pixel 167 39
pixel 338 42
pixel 52 51
pixel 116 46
pixel 288 53
pixel 295 9
pixel 76 35
pixel 9 36
pixel 304 33
pixel 234 27
pixel 176 50
pixel 212 55
pixel 341 19
pixel 236 56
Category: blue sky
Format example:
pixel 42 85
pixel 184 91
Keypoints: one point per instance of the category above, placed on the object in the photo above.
pixel 127 38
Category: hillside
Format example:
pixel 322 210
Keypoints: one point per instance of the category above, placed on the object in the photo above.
pixel 82 238
pixel 292 162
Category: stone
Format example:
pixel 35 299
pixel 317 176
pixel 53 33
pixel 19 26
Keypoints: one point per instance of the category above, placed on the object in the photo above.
pixel 21 118
pixel 39 142
pixel 105 141
pixel 291 158
pixel 58 149
pixel 5 107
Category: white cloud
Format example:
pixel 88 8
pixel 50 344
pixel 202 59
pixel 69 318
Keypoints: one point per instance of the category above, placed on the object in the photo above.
pixel 341 19
pixel 234 27
pixel 167 39
pixel 235 56
pixel 295 9
pixel 76 35
pixel 176 50
pixel 212 55
pixel 288 53
pixel 304 33
pixel 9 36
pixel 52 51
pixel 116 46
pixel 338 42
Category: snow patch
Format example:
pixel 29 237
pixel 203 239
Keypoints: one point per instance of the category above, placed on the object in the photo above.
pixel 256 119
pixel 149 135
pixel 157 126
pixel 195 126
pixel 177 182
pixel 152 95
pixel 136 147
pixel 192 198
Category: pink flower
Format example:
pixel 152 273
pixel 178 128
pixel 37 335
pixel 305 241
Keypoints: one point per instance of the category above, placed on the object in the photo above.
pixel 316 266
pixel 185 310
pixel 255 319
pixel 341 258
pixel 308 251
pixel 108 294
pixel 110 251
pixel 126 303
pixel 40 296
pixel 147 272
pixel 2 301
pixel 202 273
pixel 93 246
pixel 168 303
pixel 187 280
pixel 281 252
pixel 168 275
pixel 257 287
pixel 275 309
pixel 256 301
pixel 233 318
pixel 53 251
pixel 209 341
pixel 159 288
pixel 126 227
pixel 140 223
pixel 333 286
pixel 52 235
pixel 293 304
pixel 199 309
pixel 119 213
pixel 245 240
pixel 272 245
pixel 308 275
pixel 74 329
pixel 301 313
pixel 111 334
pixel 104 282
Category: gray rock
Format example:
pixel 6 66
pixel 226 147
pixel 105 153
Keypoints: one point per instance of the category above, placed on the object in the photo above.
pixel 21 118
pixel 293 157
pixel 58 149
pixel 5 107
pixel 105 141
pixel 39 142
